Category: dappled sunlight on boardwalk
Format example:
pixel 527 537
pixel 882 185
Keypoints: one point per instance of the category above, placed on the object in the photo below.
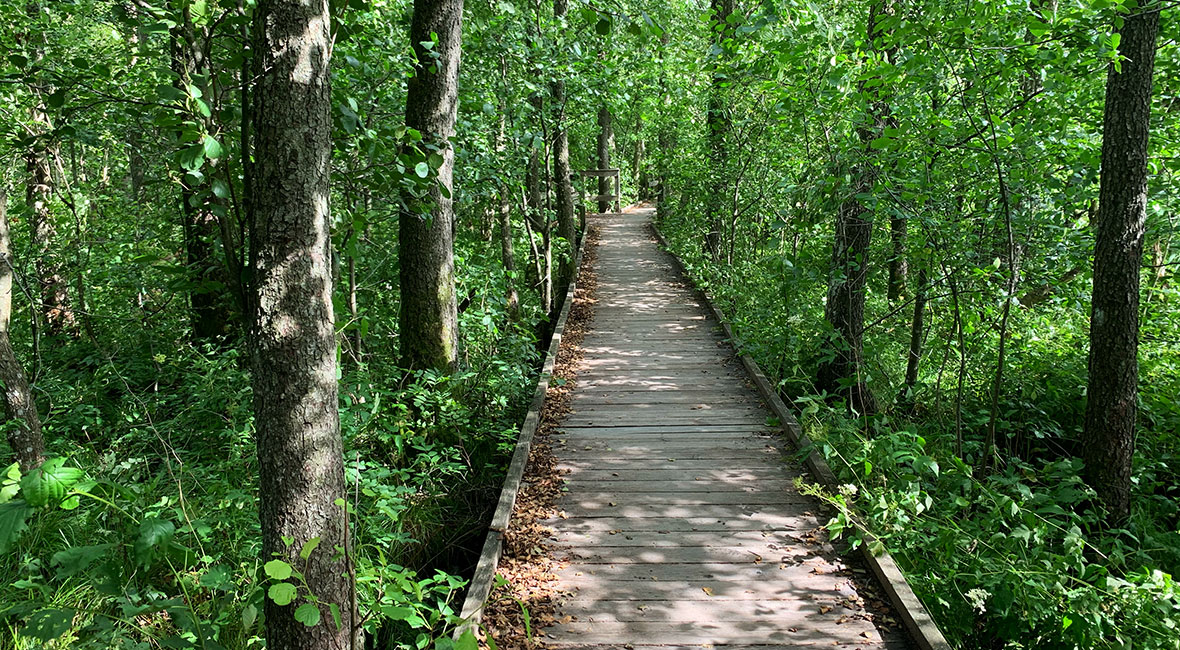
pixel 681 526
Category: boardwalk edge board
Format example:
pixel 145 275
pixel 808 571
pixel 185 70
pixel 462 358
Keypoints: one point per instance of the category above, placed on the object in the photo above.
pixel 910 610
pixel 489 558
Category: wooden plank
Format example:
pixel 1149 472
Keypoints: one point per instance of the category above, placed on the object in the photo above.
pixel 700 398
pixel 799 631
pixel 804 521
pixel 708 474
pixel 590 446
pixel 760 427
pixel 792 583
pixel 715 485
pixel 687 611
pixel 671 572
pixel 720 511
pixel 887 644
pixel 603 500
pixel 611 555
pixel 906 604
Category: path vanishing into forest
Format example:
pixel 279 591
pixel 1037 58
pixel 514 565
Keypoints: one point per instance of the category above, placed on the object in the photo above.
pixel 681 523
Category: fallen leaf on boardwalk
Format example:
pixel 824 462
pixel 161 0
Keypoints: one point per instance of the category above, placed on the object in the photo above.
pixel 825 609
pixel 612 504
pixel 708 591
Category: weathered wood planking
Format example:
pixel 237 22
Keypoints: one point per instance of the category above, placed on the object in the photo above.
pixel 680 523
pixel 907 606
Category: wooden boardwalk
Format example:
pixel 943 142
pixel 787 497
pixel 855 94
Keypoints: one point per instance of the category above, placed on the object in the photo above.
pixel 681 524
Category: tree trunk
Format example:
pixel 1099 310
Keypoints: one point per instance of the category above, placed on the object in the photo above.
pixel 917 331
pixel 562 174
pixel 898 264
pixel 25 438
pixel 717 124
pixel 294 344
pixel 208 315
pixel 535 208
pixel 606 142
pixel 429 312
pixel 1111 409
pixel 845 306
pixel 638 172
pixel 508 256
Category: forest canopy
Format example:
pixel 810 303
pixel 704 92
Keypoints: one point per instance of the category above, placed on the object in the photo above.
pixel 252 246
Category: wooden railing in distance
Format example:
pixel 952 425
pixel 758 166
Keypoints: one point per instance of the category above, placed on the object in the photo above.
pixel 599 173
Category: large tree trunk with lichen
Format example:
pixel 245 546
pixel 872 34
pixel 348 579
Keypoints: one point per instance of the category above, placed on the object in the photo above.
pixel 25 437
pixel 429 312
pixel 293 356
pixel 1108 440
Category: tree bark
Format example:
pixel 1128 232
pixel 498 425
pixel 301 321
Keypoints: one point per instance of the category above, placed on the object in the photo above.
pixel 294 343
pixel 52 285
pixel 1108 439
pixel 208 313
pixel 508 255
pixel 562 174
pixel 535 208
pixel 845 305
pixel 429 312
pixel 606 142
pixel 917 331
pixel 898 264
pixel 717 124
pixel 25 438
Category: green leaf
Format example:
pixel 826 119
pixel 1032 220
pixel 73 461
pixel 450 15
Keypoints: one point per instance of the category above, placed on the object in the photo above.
pixel 335 609
pixel 422 170
pixel 168 93
pixel 467 641
pixel 309 548
pixel 57 99
pixel 192 157
pixel 282 593
pixel 76 559
pixel 217 577
pixel 220 189
pixel 278 569
pixel 10 484
pixel 602 27
pixel 249 615
pixel 19 60
pixel 212 147
pixel 398 613
pixel 49 483
pixel 435 161
pixel 49 624
pixel 308 614
pixel 153 534
pixel 12 521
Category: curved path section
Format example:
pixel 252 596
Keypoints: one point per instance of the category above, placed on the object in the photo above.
pixel 681 522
